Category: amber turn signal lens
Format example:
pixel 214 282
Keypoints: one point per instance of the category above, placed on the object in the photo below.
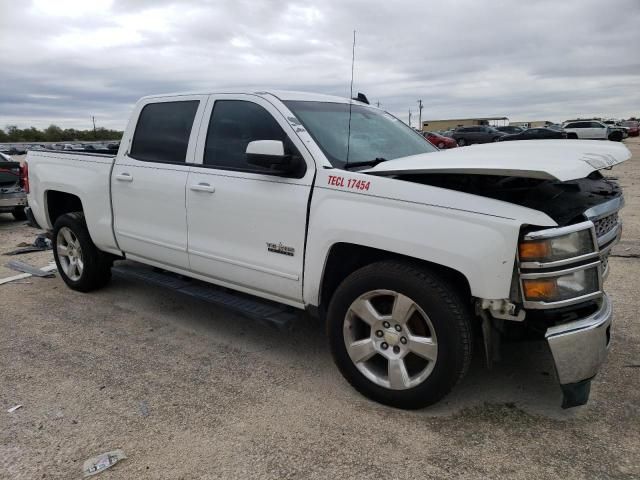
pixel 534 250
pixel 540 289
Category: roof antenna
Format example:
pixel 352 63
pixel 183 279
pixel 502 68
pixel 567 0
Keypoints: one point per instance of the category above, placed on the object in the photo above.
pixel 353 58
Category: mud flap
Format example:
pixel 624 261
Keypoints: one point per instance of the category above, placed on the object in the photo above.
pixel 575 394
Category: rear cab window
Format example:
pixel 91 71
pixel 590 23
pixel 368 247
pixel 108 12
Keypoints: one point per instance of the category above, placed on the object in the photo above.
pixel 163 131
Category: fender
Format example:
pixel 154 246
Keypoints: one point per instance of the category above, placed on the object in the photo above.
pixel 445 227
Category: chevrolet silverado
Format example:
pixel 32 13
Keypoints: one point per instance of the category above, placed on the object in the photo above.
pixel 334 207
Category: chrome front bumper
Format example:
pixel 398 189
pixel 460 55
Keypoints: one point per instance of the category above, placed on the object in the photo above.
pixel 580 347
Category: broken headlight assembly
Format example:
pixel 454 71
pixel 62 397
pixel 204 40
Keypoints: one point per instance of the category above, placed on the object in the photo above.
pixel 560 266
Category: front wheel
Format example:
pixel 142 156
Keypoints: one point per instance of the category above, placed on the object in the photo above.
pixel 462 142
pixel 81 265
pixel 400 334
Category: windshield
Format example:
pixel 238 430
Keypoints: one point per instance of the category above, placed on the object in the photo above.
pixel 374 133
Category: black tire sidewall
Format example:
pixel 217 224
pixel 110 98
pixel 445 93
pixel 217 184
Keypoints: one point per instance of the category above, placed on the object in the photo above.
pixel 18 213
pixel 417 285
pixel 96 269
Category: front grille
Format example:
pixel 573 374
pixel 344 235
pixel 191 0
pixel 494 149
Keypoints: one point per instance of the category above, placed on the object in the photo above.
pixel 605 224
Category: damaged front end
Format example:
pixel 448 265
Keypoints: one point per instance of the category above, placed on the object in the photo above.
pixel 561 272
pixel 558 284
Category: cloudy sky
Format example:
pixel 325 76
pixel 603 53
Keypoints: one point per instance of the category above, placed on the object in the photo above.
pixel 65 60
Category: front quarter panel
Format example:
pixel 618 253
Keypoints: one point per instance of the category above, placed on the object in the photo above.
pixel 474 235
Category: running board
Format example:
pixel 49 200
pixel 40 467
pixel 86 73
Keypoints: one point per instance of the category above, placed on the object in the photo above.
pixel 275 314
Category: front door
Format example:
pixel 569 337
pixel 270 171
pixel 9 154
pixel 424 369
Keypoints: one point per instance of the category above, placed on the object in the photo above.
pixel 247 225
pixel 149 180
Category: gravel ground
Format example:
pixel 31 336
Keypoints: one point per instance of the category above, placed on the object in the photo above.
pixel 188 390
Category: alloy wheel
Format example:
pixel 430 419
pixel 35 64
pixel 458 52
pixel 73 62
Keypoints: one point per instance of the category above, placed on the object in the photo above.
pixel 390 339
pixel 69 253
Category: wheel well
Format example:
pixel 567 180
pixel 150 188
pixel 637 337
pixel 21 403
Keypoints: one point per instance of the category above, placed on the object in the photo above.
pixel 59 203
pixel 616 136
pixel 346 258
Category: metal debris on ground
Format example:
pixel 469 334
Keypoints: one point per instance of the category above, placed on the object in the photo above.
pixel 14 408
pixel 19 266
pixel 41 243
pixel 144 408
pixel 100 463
pixel 49 268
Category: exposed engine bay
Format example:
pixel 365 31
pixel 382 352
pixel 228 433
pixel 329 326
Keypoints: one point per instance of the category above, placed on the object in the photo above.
pixel 565 202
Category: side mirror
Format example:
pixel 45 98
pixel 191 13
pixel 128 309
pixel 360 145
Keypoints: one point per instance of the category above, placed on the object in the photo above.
pixel 269 154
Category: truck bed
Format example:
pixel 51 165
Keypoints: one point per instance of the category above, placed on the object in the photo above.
pixel 84 176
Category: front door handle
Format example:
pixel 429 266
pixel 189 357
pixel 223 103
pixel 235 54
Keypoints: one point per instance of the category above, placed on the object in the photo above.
pixel 203 187
pixel 124 177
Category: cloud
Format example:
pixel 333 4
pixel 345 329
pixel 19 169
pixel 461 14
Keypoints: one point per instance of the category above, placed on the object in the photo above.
pixel 540 59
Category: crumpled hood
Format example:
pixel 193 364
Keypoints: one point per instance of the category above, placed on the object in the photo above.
pixel 545 159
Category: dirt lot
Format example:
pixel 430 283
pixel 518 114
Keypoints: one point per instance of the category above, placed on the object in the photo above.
pixel 190 391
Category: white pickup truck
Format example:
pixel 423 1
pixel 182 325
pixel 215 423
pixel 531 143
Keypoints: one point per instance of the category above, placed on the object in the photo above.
pixel 331 206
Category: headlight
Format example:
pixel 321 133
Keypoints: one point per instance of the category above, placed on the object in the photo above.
pixel 561 247
pixel 560 286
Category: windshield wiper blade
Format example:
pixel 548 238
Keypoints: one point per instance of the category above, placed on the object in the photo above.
pixel 366 163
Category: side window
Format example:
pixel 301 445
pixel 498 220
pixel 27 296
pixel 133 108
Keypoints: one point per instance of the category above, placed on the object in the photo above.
pixel 235 123
pixel 163 130
pixel 597 125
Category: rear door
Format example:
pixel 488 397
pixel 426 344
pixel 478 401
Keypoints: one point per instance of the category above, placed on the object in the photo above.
pixel 246 224
pixel 149 180
pixel 597 130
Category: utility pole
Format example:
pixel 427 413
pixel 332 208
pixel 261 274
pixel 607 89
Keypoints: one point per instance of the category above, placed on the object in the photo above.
pixel 420 114
pixel 409 117
pixel 95 135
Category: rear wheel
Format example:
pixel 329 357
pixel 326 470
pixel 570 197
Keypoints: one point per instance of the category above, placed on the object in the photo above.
pixel 441 145
pixel 400 334
pixel 18 213
pixel 462 142
pixel 81 265
pixel 616 136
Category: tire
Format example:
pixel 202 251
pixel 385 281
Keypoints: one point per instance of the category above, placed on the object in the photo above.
pixel 495 139
pixel 616 136
pixel 439 327
pixel 18 213
pixel 462 142
pixel 572 136
pixel 440 145
pixel 84 268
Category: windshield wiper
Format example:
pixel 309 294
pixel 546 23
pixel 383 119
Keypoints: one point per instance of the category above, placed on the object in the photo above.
pixel 366 163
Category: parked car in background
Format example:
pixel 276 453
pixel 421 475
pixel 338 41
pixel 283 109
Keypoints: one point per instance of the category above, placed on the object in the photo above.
pixel 510 129
pixel 633 127
pixel 616 125
pixel 440 141
pixel 555 126
pixel 476 134
pixel 13 150
pixel 592 130
pixel 535 134
pixel 13 197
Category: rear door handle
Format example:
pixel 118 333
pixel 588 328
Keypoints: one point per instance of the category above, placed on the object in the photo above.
pixel 203 187
pixel 124 177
